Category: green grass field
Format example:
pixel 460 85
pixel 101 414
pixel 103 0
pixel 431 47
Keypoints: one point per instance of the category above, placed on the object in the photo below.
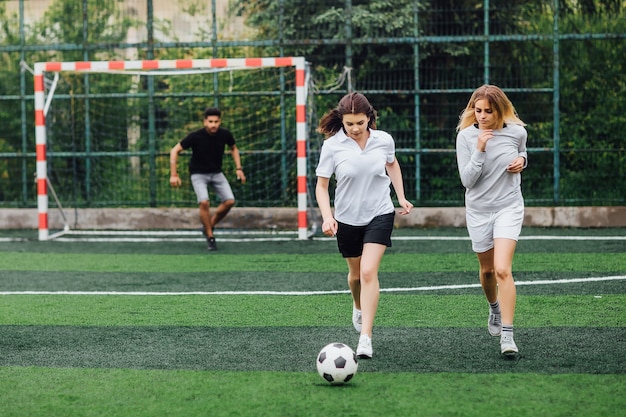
pixel 163 328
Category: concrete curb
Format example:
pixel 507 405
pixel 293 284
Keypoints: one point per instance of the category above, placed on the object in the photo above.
pixel 285 218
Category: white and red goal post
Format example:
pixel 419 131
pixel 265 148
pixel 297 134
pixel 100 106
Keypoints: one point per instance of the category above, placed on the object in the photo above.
pixel 40 68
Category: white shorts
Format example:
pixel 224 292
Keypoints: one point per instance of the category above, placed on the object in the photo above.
pixel 217 181
pixel 484 227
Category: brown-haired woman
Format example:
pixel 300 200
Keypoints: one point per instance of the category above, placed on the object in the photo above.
pixel 364 164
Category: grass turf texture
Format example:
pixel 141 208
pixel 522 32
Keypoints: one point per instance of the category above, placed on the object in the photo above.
pixel 98 392
pixel 254 354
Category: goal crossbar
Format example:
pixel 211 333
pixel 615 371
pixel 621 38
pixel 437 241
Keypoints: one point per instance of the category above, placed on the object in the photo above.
pixel 41 106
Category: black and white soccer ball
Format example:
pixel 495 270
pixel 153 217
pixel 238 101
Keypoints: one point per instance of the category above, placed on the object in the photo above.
pixel 337 363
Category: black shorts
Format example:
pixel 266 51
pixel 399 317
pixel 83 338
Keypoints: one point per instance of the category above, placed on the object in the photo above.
pixel 350 239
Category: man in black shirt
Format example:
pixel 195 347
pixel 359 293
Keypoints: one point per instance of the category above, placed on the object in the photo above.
pixel 205 167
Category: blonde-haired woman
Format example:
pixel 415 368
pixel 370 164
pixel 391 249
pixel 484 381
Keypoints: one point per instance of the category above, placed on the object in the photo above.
pixel 491 154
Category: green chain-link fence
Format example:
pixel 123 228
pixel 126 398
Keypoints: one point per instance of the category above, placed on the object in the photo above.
pixel 563 64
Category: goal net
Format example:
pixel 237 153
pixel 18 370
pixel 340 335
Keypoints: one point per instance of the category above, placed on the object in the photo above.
pixel 104 130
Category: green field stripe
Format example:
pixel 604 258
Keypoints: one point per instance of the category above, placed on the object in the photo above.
pixel 427 282
pixel 294 349
pixel 328 310
pixel 44 392
pixel 396 262
pixel 428 240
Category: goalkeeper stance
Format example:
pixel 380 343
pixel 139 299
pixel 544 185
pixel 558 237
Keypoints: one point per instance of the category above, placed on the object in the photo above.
pixel 205 167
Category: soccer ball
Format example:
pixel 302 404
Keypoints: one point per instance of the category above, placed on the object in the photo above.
pixel 337 363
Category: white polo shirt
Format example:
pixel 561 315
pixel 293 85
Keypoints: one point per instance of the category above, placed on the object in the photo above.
pixel 363 186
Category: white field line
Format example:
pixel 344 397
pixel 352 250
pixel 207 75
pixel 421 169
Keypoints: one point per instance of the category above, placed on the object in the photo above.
pixel 150 236
pixel 409 289
pixel 173 239
pixel 164 238
pixel 175 232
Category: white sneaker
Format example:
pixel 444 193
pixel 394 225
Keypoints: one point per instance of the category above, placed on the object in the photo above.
pixel 507 344
pixel 364 350
pixel 357 320
pixel 494 324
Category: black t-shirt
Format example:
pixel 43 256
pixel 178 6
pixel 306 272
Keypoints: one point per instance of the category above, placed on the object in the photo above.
pixel 207 151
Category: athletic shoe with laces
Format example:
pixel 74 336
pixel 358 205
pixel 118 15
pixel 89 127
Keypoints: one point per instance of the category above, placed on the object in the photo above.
pixel 211 245
pixel 494 325
pixel 364 350
pixel 507 344
pixel 357 319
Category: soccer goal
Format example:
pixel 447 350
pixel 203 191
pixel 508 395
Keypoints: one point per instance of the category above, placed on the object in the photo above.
pixel 104 130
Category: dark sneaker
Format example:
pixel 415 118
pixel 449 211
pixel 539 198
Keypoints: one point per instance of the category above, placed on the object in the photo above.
pixel 211 244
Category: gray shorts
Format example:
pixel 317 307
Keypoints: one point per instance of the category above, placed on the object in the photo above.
pixel 218 183
pixel 484 227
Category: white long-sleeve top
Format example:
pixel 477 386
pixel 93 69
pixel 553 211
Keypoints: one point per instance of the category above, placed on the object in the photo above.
pixel 488 185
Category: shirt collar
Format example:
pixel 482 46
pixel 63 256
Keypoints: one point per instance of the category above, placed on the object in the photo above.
pixel 341 135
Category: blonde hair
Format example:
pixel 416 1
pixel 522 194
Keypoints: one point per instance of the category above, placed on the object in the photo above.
pixel 503 108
